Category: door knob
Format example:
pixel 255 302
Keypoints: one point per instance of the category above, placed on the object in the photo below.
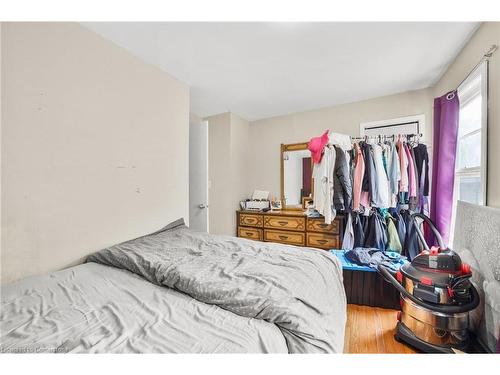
pixel 202 205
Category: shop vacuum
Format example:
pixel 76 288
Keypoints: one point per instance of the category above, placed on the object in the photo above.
pixel 436 297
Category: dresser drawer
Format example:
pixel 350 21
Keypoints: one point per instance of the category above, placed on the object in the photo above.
pixel 318 225
pixel 284 222
pixel 251 220
pixel 251 233
pixel 291 238
pixel 323 241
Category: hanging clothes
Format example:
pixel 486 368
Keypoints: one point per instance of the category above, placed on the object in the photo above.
pixel 377 232
pixel 368 178
pixel 380 193
pixel 323 184
pixel 400 225
pixel 422 162
pixel 340 140
pixel 403 166
pixel 342 188
pixel 393 242
pixel 359 224
pixel 412 244
pixel 394 174
pixel 348 240
pixel 422 165
pixel 366 181
pixel 414 200
pixel 359 171
pixel 412 181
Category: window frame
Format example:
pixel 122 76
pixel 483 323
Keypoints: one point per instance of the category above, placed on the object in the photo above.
pixel 482 169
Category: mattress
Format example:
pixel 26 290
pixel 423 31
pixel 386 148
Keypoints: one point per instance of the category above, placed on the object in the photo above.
pixel 180 291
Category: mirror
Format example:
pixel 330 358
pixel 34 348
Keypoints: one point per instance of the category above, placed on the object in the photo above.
pixel 296 175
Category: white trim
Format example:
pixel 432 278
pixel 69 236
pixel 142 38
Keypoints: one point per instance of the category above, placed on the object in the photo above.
pixel 394 121
pixel 205 125
pixel 484 134
pixel 483 168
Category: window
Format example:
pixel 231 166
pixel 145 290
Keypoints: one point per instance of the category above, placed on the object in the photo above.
pixel 470 170
pixel 470 165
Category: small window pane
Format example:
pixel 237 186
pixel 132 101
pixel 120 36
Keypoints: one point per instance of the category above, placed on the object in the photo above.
pixel 470 116
pixel 469 151
pixel 469 188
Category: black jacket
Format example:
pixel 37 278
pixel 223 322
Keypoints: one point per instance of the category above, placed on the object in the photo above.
pixel 342 186
pixel 422 162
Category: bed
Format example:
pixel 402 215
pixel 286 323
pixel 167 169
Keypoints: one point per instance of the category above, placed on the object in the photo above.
pixel 181 291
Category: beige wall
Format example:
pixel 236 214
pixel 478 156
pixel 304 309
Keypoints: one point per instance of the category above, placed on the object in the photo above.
pixel 227 150
pixel 94 147
pixel 481 41
pixel 265 136
pixel 240 132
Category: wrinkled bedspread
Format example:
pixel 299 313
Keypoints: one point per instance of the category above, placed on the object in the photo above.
pixel 298 289
pixel 92 308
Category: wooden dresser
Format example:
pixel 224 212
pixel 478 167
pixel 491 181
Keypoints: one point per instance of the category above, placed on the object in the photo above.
pixel 290 227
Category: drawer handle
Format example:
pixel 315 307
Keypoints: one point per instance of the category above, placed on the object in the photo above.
pixel 323 225
pixel 322 242
pixel 283 237
pixel 249 233
pixel 282 223
pixel 250 220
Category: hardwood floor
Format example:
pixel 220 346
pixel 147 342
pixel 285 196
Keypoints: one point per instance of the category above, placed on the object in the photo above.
pixel 371 330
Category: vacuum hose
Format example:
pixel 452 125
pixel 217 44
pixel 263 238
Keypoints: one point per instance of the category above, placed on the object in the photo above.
pixel 445 309
pixel 433 228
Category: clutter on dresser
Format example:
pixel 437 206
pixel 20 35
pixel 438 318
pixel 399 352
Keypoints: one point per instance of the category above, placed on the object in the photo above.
pixel 276 204
pixel 255 205
pixel 260 195
pixel 258 202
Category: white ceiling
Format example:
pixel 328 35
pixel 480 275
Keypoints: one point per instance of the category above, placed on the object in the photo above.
pixel 260 70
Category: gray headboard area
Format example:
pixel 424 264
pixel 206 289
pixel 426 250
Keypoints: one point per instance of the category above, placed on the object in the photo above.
pixel 477 240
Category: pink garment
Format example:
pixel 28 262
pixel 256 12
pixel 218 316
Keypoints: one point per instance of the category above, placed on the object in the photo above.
pixel 403 166
pixel 359 172
pixel 412 180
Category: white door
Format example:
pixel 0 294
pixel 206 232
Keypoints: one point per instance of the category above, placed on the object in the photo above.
pixel 198 176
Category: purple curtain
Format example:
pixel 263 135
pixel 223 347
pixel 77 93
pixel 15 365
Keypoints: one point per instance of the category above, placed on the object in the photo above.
pixel 446 110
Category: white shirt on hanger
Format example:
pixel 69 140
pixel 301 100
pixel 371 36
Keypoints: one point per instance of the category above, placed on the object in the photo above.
pixel 341 140
pixel 381 195
pixel 323 184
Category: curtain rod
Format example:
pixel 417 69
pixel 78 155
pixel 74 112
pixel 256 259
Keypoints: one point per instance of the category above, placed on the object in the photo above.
pixel 485 57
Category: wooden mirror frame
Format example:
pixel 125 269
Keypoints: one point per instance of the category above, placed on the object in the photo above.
pixel 291 147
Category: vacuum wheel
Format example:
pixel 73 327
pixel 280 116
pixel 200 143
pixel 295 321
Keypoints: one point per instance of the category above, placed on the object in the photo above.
pixel 405 335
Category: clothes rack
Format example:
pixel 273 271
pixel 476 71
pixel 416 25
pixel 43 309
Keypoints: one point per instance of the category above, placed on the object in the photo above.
pixel 385 137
